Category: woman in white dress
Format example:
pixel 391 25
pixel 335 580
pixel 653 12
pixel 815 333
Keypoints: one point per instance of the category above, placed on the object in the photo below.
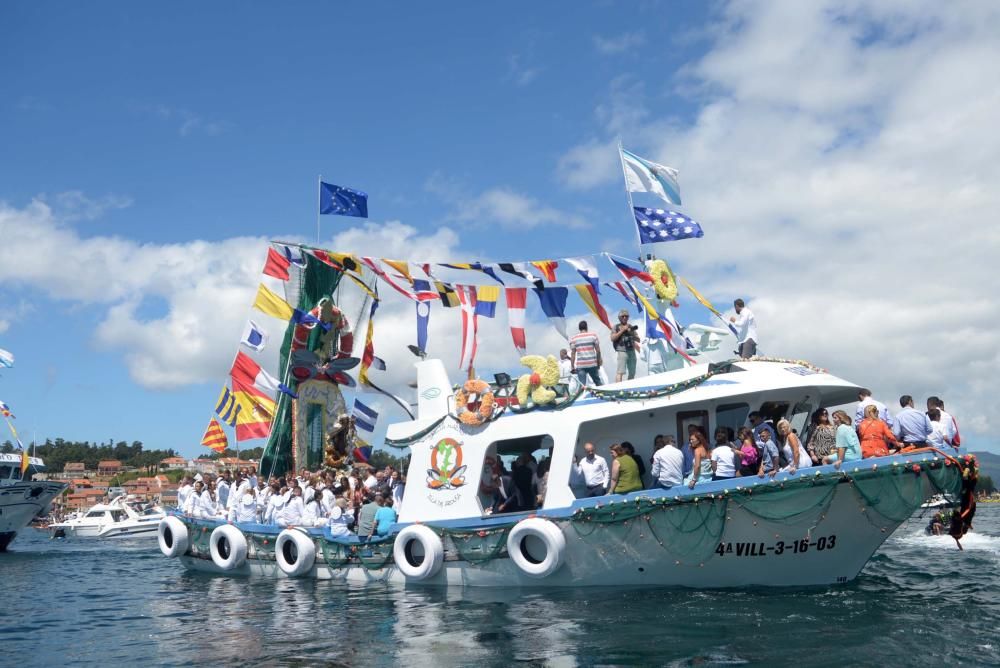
pixel 313 513
pixel 276 504
pixel 341 517
pixel 244 508
pixel 795 453
pixel 291 514
pixel 192 504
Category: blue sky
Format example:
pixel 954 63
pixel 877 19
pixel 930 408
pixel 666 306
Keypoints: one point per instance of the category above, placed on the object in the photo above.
pixel 130 133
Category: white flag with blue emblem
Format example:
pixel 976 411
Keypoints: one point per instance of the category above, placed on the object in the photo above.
pixel 659 225
pixel 645 176
pixel 254 337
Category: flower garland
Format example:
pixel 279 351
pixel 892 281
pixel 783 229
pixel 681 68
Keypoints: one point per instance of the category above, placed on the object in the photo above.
pixel 783 360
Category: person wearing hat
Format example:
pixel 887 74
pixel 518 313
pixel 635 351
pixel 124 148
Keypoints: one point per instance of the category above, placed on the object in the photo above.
pixel 625 338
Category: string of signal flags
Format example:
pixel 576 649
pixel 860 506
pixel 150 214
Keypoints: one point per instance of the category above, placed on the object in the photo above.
pixel 481 286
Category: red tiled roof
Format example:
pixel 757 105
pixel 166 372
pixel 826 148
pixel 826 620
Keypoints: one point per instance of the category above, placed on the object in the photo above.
pixel 109 464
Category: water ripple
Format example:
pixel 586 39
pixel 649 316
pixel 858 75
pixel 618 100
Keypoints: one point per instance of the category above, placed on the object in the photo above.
pixel 124 603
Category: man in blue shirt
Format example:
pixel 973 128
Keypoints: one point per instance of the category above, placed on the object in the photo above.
pixel 864 399
pixel 912 426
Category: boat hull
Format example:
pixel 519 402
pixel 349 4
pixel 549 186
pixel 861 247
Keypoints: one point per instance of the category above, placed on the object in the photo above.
pixel 818 527
pixel 20 503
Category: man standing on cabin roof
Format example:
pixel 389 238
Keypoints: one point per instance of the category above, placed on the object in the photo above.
pixel 912 427
pixel 594 470
pixel 746 330
pixel 625 339
pixel 864 400
pixel 586 355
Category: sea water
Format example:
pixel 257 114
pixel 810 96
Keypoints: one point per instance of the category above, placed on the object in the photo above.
pixel 919 601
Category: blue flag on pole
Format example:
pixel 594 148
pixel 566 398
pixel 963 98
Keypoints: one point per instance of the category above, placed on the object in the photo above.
pixel 658 225
pixel 342 201
pixel 364 417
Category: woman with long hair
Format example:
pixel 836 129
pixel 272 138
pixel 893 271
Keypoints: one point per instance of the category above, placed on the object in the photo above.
pixel 848 447
pixel 822 436
pixel 701 469
pixel 794 452
pixel 876 437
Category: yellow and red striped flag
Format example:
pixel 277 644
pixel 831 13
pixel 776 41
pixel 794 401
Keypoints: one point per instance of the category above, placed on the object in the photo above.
pixel 214 437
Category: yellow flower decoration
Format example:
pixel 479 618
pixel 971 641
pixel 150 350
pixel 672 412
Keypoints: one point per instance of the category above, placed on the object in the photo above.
pixel 544 374
pixel 663 281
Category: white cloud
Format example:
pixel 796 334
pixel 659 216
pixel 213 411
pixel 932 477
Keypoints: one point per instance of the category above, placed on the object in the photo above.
pixel 186 121
pixel 519 71
pixel 207 288
pixel 174 312
pixel 499 206
pixel 843 163
pixel 613 44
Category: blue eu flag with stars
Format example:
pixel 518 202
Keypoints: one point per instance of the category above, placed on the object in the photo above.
pixel 342 201
pixel 659 225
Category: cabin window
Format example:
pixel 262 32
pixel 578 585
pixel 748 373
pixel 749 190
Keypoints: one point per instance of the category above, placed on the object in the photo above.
pixel 5 472
pixel 95 513
pixel 687 419
pixel 733 416
pixel 513 476
pixel 800 419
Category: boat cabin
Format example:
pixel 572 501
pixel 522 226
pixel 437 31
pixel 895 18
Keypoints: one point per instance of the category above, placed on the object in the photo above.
pixel 453 464
pixel 10 468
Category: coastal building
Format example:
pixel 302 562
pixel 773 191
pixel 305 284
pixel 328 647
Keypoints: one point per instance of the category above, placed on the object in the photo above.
pixel 174 464
pixel 109 467
pixel 204 466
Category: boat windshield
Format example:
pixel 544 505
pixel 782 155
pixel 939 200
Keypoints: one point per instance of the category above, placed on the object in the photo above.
pixel 9 472
pixel 95 513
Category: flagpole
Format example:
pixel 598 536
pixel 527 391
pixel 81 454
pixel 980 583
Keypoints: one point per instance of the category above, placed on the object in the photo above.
pixel 319 193
pixel 628 195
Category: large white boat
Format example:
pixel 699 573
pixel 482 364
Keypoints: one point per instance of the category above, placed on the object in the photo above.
pixel 815 526
pixel 120 518
pixel 811 526
pixel 21 497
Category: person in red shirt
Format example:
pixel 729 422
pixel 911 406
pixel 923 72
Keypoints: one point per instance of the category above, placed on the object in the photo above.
pixel 876 437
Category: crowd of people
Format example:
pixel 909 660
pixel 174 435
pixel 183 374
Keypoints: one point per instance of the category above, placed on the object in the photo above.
pixel 364 503
pixel 763 448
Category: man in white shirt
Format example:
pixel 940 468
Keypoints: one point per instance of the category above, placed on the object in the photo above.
pixel 594 470
pixel 864 400
pixel 668 466
pixel 222 489
pixel 371 481
pixel 565 366
pixel 948 423
pixel 746 330
pixel 183 492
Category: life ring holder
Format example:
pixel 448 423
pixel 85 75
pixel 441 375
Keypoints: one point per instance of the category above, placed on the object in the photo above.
pixel 480 414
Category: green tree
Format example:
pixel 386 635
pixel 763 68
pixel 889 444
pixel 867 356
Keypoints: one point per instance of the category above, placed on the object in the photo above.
pixel 986 485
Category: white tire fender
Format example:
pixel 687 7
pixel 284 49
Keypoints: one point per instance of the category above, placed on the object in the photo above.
pixel 295 552
pixel 173 536
pixel 228 546
pixel 418 552
pixel 537 546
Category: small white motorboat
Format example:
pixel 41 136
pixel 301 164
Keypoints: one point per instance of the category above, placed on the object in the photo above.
pixel 120 517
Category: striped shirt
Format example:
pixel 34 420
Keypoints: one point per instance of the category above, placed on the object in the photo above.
pixel 586 346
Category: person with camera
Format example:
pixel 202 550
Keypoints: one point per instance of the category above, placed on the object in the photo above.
pixel 625 338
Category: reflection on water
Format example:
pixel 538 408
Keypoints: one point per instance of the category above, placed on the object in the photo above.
pixel 105 603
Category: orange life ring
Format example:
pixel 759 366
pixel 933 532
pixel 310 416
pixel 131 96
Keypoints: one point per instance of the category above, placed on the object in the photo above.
pixel 474 402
